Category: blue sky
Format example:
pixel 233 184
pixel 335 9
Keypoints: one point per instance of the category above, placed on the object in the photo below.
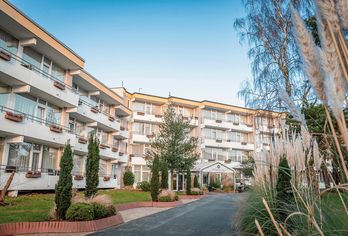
pixel 186 47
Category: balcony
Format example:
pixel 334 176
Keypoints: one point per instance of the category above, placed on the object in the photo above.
pixel 18 73
pixel 91 115
pixel 242 127
pixel 122 134
pixel 14 124
pixel 216 124
pixel 143 117
pixel 221 143
pixel 141 138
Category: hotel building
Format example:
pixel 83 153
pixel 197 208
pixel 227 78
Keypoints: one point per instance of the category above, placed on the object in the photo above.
pixel 47 100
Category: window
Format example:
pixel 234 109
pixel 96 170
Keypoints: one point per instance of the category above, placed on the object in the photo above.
pixel 49 159
pixel 102 168
pixel 3 99
pixel 32 57
pixel 137 173
pixel 78 165
pixel 58 73
pixel 138 106
pixel 8 42
pixel 146 173
pixel 19 155
pixel 25 104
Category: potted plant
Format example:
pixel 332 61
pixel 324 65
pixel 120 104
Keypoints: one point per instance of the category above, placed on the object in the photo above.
pixel 56 128
pixel 59 85
pixel 114 149
pixel 33 174
pixel 120 153
pixel 140 113
pixel 103 146
pixel 5 56
pixel 95 109
pixel 219 140
pixel 218 121
pixel 158 116
pixel 106 178
pixel 244 143
pixel 14 117
pixel 82 140
pixel 111 118
pixel 78 177
pixel 122 128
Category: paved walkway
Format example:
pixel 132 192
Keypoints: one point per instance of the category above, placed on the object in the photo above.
pixel 210 216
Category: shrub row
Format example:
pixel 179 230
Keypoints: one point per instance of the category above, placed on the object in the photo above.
pixel 86 211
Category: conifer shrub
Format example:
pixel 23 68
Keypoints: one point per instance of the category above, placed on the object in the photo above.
pixel 128 178
pixel 188 182
pixel 80 212
pixel 164 175
pixel 195 182
pixel 63 187
pixel 92 167
pixel 155 183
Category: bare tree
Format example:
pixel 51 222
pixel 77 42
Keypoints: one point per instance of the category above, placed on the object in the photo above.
pixel 275 60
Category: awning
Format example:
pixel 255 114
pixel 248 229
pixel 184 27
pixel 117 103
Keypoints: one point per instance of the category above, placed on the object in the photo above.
pixel 215 167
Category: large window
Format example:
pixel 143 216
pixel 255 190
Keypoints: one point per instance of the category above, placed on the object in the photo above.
pixel 214 134
pixel 3 99
pixel 237 155
pixel 213 115
pixel 78 168
pixel 19 156
pixel 49 159
pixel 214 154
pixel 8 42
pixel 102 168
pixel 141 173
pixel 58 72
pixel 234 136
pixel 32 57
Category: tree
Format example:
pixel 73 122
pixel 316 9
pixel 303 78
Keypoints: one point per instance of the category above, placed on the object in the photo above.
pixel 275 59
pixel 164 175
pixel 128 178
pixel 92 167
pixel 188 181
pixel 248 167
pixel 174 143
pixel 284 195
pixel 195 182
pixel 64 185
pixel 155 182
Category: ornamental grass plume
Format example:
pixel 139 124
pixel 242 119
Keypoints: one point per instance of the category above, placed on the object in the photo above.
pixel 309 55
pixel 342 10
pixel 327 10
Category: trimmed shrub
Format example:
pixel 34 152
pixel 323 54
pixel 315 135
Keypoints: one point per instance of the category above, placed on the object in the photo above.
pixel 213 186
pixel 100 211
pixel 188 181
pixel 195 182
pixel 80 212
pixel 92 167
pixel 164 175
pixel 144 186
pixel 128 178
pixel 164 199
pixel 176 198
pixel 111 210
pixel 155 184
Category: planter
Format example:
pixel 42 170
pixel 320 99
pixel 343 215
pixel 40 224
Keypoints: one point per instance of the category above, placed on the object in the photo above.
pixel 270 126
pixel 94 109
pixel 59 85
pixel 218 121
pixel 228 140
pixel 235 123
pixel 122 128
pixel 103 146
pixel 82 140
pixel 78 177
pixel 111 118
pixel 228 161
pixel 158 116
pixel 114 149
pixel 120 153
pixel 196 117
pixel 266 144
pixel 56 128
pixel 131 155
pixel 5 56
pixel 185 118
pixel 211 159
pixel 249 125
pixel 244 143
pixel 33 174
pixel 140 113
pixel 28 66
pixel 106 178
pixel 14 117
pixel 219 140
pixel 150 135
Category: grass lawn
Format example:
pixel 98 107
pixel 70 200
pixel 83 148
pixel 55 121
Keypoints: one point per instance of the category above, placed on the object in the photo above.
pixel 36 207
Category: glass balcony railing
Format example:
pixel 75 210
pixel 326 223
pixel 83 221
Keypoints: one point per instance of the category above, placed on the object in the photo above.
pixel 34 68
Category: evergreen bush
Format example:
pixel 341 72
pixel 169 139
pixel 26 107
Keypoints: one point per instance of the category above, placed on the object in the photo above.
pixel 80 212
pixel 145 186
pixel 195 182
pixel 188 182
pixel 164 175
pixel 128 178
pixel 92 167
pixel 99 211
pixel 155 184
pixel 64 185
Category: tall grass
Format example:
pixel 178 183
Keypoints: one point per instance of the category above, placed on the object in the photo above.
pixel 313 211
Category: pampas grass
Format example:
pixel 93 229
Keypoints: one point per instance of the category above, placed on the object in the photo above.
pixel 328 12
pixel 342 10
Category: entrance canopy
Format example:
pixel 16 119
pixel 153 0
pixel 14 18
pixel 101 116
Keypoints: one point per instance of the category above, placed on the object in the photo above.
pixel 215 167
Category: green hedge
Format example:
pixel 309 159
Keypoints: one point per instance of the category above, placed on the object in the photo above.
pixel 85 211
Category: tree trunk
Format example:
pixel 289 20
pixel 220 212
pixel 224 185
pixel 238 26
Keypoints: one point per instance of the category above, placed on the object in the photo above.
pixel 7 185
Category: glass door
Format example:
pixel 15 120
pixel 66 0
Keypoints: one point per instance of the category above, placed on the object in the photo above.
pixel 40 114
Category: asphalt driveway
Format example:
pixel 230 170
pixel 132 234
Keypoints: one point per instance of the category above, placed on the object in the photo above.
pixel 210 216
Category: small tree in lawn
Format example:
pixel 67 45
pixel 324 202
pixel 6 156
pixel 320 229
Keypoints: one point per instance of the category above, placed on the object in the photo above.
pixel 155 182
pixel 174 143
pixel 164 175
pixel 92 167
pixel 128 178
pixel 195 182
pixel 63 187
pixel 188 181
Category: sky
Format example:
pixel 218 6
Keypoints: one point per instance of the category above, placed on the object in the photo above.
pixel 187 48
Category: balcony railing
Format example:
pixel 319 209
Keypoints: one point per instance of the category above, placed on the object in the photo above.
pixel 60 84
pixel 94 105
pixel 11 112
